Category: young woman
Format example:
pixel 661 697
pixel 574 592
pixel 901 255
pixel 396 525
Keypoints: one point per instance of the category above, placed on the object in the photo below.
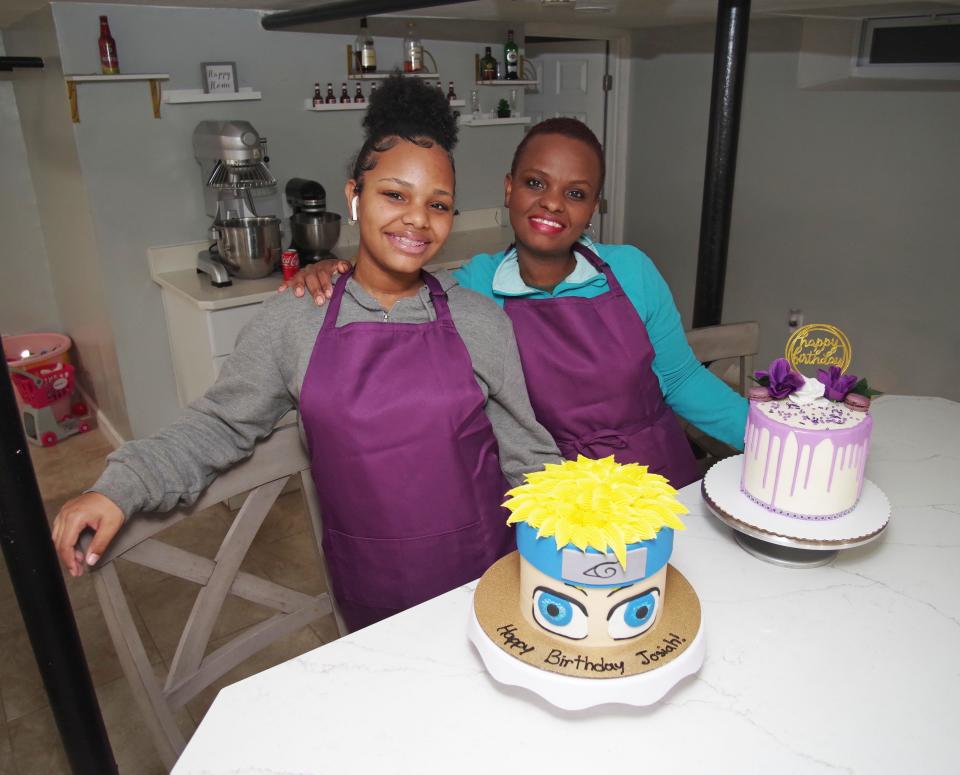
pixel 408 387
pixel 603 349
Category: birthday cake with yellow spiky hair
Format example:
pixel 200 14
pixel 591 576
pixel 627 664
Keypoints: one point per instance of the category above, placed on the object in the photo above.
pixel 586 592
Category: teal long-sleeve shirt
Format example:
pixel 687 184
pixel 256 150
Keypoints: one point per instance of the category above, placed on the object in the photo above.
pixel 691 391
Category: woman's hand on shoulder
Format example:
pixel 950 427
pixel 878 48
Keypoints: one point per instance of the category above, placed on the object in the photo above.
pixel 89 511
pixel 316 279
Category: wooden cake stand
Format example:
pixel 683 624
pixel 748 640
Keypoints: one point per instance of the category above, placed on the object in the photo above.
pixel 787 541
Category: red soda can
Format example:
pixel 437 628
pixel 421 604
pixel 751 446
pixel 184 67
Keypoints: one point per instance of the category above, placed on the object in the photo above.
pixel 289 263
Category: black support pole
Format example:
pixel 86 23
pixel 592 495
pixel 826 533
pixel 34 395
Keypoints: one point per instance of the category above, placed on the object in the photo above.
pixel 42 596
pixel 729 63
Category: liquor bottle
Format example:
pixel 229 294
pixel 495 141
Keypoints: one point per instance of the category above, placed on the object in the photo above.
pixel 488 66
pixel 344 97
pixel 364 50
pixel 109 64
pixel 373 88
pixel 358 95
pixel 317 97
pixel 451 94
pixel 511 58
pixel 412 51
pixel 330 99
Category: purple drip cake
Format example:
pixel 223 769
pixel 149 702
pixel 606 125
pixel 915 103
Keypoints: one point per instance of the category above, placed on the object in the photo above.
pixel 805 460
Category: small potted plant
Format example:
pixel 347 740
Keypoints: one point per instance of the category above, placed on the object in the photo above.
pixel 503 109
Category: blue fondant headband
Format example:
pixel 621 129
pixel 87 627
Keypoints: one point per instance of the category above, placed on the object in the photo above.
pixel 592 568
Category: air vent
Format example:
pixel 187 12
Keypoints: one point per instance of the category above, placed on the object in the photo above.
pixel 917 40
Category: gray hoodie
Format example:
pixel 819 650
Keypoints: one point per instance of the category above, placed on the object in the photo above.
pixel 260 382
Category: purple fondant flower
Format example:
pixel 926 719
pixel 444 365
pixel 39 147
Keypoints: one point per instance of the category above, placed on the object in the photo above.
pixel 837 384
pixel 781 380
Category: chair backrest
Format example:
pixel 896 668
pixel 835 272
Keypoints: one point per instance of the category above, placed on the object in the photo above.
pixel 728 350
pixel 263 476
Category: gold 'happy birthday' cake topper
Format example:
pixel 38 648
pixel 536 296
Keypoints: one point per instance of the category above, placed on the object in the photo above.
pixel 819 345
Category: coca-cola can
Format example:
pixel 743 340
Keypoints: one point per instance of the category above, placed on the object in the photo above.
pixel 289 263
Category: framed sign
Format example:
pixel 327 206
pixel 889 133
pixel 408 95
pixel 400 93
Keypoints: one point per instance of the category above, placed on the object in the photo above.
pixel 219 77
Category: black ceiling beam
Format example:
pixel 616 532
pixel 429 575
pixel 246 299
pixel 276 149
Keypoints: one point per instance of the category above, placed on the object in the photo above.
pixel 337 10
pixel 8 63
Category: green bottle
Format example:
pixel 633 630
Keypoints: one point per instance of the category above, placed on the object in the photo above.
pixel 511 58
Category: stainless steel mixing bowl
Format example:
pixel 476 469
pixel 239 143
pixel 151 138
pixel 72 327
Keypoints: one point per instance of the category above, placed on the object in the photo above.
pixel 249 247
pixel 315 232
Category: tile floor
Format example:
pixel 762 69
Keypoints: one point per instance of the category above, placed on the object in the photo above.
pixel 283 552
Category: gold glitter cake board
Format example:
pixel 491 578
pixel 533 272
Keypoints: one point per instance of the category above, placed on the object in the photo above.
pixel 497 608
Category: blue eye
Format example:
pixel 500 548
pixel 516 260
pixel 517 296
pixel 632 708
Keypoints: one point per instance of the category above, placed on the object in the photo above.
pixel 634 616
pixel 559 614
pixel 555 609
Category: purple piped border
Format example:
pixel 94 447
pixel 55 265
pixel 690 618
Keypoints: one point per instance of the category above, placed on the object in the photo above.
pixel 805 517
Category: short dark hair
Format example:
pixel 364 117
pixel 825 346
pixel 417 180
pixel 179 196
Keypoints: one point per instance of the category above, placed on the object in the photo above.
pixel 404 109
pixel 568 127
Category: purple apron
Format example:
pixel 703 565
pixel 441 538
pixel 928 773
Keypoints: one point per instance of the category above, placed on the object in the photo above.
pixel 588 365
pixel 404 459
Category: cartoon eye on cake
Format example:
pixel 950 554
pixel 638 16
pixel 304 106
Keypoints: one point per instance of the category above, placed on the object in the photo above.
pixel 633 616
pixel 560 614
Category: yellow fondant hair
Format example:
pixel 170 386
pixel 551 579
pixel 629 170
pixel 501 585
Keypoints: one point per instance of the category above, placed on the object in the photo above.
pixel 596 504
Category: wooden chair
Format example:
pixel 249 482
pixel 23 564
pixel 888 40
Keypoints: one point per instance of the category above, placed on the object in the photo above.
pixel 728 352
pixel 264 474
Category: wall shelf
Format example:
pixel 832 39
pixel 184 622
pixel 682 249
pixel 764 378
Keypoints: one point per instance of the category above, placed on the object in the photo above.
pixel 334 106
pixel 154 80
pixel 503 82
pixel 351 76
pixel 184 96
pixel 308 105
pixel 471 121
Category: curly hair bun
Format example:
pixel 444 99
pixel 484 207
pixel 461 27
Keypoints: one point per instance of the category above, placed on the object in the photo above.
pixel 409 108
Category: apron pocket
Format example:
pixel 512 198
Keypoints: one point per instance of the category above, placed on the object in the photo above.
pixel 397 573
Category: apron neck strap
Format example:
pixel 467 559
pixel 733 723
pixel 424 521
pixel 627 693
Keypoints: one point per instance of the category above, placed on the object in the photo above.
pixel 599 264
pixel 333 306
pixel 437 295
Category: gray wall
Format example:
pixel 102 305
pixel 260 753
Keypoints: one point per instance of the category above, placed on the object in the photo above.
pixel 27 302
pixel 846 203
pixel 75 268
pixel 143 186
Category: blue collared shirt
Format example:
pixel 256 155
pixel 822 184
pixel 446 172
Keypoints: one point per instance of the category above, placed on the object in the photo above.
pixel 691 390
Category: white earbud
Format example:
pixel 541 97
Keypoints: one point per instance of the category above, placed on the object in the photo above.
pixel 353 208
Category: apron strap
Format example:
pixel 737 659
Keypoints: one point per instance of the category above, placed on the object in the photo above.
pixel 438 296
pixel 600 265
pixel 333 306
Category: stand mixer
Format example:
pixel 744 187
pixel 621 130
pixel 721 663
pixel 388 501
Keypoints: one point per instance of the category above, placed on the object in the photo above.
pixel 232 158
pixel 313 230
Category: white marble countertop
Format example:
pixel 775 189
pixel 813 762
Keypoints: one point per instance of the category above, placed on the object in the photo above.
pixel 848 668
pixel 174 267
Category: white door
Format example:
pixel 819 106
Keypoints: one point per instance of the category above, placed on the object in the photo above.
pixel 571 76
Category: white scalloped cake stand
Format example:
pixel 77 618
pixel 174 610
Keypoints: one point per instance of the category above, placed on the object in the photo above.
pixel 573 693
pixel 787 541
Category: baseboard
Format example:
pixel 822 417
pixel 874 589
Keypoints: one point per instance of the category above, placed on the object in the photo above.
pixel 104 424
pixel 107 429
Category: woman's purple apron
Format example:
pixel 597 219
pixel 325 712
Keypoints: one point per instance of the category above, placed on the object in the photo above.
pixel 404 459
pixel 588 364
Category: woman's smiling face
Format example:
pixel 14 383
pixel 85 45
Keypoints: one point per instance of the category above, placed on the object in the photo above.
pixel 553 193
pixel 405 210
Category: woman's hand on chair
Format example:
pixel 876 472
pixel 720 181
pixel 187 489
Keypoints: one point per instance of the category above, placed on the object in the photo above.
pixel 316 279
pixel 90 510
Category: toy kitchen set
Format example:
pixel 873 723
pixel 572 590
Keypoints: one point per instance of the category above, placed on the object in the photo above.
pixel 212 287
